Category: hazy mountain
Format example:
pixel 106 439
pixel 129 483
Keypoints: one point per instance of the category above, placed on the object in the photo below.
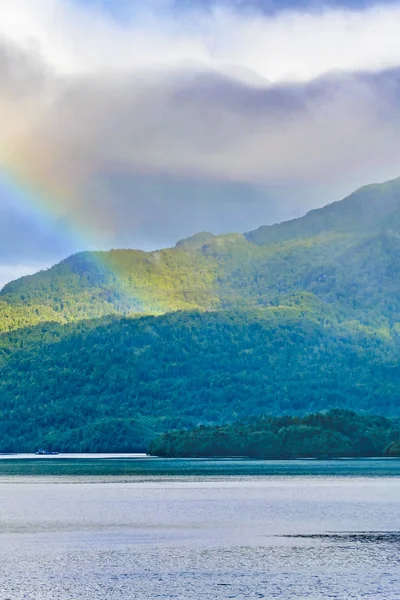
pixel 369 210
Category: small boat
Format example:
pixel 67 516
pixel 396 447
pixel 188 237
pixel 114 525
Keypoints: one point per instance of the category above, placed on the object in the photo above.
pixel 42 452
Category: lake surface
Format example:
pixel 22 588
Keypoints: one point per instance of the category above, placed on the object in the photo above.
pixel 141 528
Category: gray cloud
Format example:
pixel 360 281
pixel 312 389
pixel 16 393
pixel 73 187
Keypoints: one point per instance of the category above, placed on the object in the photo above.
pixel 200 124
pixel 142 158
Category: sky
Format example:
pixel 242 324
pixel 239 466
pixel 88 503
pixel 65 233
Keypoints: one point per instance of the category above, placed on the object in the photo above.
pixel 134 124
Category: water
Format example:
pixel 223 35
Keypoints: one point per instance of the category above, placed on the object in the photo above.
pixel 148 529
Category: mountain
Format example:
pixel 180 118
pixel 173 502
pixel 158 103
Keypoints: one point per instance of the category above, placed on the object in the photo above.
pixel 368 211
pixel 106 349
pixel 345 254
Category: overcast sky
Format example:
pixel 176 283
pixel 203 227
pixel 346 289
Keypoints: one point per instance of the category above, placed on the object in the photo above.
pixel 134 123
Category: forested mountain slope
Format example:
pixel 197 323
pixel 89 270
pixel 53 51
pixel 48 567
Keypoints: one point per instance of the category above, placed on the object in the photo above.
pixel 291 318
pixel 66 386
pixel 346 254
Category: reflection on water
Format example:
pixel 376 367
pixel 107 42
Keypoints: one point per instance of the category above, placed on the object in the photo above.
pixel 370 537
pixel 148 529
pixel 139 466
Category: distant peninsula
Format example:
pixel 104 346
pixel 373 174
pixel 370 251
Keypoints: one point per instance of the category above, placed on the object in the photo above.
pixel 336 434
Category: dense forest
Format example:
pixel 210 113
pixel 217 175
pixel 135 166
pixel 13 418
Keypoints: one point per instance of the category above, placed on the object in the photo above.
pixel 64 386
pixel 338 433
pixel 106 350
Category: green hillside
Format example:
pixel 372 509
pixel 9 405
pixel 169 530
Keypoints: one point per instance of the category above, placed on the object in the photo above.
pixel 106 349
pixel 94 284
pixel 64 386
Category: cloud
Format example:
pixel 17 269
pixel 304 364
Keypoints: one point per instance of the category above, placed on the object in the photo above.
pixel 205 118
pixel 287 46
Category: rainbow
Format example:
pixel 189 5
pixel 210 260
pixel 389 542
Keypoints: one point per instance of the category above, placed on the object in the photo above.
pixel 133 274
pixel 39 202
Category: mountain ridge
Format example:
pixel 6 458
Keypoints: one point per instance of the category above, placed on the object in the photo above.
pixel 209 272
pixel 200 239
pixel 387 194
